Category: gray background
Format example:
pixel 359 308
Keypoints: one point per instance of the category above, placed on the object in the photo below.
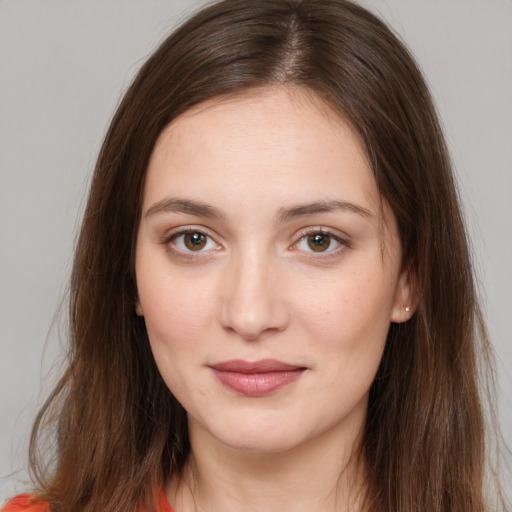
pixel 63 66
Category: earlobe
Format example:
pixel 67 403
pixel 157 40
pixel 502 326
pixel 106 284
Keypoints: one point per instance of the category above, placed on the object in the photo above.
pixel 138 308
pixel 405 298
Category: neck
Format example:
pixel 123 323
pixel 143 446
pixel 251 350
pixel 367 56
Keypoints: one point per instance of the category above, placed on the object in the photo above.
pixel 322 474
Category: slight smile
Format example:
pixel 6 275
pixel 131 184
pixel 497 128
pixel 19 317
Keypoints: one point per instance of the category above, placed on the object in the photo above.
pixel 256 378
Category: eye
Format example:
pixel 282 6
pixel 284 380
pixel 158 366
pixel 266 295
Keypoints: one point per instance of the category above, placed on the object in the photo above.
pixel 192 241
pixel 320 242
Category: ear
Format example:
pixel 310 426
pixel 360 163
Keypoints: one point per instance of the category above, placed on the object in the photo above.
pixel 406 299
pixel 138 308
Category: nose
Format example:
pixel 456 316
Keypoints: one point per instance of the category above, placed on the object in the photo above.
pixel 252 296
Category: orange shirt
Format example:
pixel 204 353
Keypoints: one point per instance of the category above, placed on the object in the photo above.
pixel 25 503
pixel 28 503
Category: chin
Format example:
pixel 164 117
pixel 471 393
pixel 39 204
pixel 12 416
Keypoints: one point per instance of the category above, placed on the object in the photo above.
pixel 259 443
pixel 250 434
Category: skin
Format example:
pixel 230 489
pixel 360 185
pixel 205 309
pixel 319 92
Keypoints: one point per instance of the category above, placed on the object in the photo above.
pixel 257 290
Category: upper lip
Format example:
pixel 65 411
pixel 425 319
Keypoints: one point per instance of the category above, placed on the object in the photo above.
pixel 261 366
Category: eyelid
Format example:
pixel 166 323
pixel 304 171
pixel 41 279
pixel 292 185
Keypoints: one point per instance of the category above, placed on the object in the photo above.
pixel 184 230
pixel 341 238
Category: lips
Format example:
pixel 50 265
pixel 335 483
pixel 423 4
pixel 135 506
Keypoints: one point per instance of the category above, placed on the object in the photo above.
pixel 256 378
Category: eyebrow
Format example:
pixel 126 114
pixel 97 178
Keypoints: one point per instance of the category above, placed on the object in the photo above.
pixel 301 210
pixel 189 206
pixel 200 209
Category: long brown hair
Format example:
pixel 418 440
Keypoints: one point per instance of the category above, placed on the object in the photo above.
pixel 119 432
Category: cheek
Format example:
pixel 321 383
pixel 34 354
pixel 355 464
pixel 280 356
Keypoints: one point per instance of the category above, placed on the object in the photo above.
pixel 348 321
pixel 178 318
pixel 352 306
pixel 176 311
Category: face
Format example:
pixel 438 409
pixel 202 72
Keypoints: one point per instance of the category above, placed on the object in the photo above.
pixel 268 270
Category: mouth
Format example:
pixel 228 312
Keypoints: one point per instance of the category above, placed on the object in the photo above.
pixel 256 378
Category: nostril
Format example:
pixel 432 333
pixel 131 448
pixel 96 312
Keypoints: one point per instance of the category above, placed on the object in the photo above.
pixel 251 322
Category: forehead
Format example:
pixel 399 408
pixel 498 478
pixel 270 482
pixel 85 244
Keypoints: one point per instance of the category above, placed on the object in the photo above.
pixel 254 155
pixel 280 104
pixel 285 136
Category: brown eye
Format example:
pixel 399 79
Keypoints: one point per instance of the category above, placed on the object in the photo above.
pixel 319 242
pixel 194 241
pixel 189 241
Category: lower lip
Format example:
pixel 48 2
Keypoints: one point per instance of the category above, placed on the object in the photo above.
pixel 257 384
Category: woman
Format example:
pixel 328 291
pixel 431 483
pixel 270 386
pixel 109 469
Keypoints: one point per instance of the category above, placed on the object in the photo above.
pixel 272 299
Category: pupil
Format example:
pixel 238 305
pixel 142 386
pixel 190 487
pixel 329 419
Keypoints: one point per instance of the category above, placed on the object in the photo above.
pixel 319 242
pixel 195 241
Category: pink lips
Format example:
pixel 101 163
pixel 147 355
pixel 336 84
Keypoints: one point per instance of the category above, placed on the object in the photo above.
pixel 256 378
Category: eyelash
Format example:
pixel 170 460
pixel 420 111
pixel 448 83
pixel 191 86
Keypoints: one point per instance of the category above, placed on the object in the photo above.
pixel 170 243
pixel 344 243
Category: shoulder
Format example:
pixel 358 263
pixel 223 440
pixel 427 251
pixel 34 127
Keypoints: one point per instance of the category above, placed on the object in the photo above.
pixel 25 503
pixel 29 503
